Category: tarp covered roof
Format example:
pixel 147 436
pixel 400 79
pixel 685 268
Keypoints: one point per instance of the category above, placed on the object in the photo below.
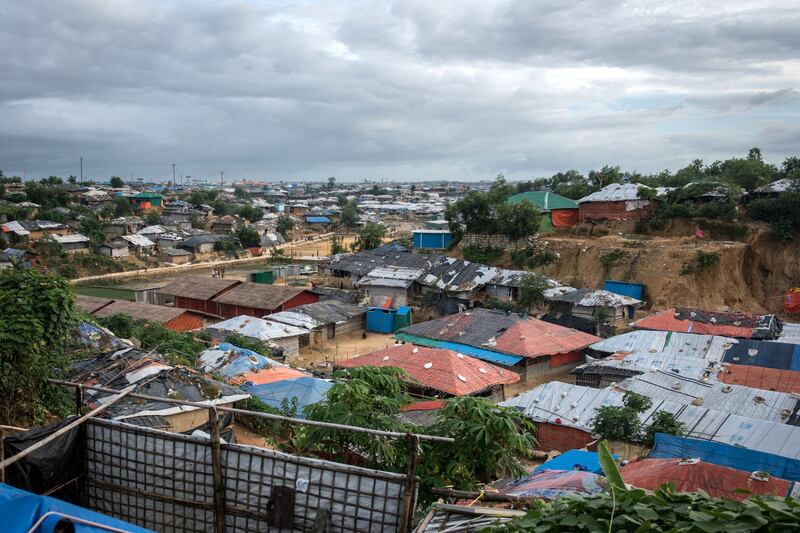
pixel 256 328
pixel 551 484
pixel 304 390
pixel 687 320
pixel 692 475
pixel 544 200
pixel 595 298
pixel 574 460
pixel 197 287
pixel 667 343
pixel 447 371
pixel 615 192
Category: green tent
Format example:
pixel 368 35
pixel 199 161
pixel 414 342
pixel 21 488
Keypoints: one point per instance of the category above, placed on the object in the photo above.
pixel 545 201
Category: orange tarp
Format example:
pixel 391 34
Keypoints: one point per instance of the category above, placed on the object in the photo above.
pixel 761 378
pixel 271 375
pixel 666 321
pixel 718 481
pixel 564 218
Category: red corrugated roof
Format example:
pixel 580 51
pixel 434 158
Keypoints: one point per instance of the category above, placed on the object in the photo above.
pixel 533 338
pixel 718 481
pixel 761 378
pixel 449 372
pixel 666 321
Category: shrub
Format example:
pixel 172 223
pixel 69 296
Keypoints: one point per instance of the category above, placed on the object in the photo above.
pixel 542 258
pixel 487 255
pixel 706 259
pixel 609 258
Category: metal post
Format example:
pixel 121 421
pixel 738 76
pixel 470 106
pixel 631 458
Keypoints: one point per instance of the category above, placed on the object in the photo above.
pixel 2 455
pixel 216 467
pixel 410 495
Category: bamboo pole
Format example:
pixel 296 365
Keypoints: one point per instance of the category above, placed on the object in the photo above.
pixel 216 467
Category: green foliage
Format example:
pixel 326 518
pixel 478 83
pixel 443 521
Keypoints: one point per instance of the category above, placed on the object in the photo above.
pixel 609 466
pixel 488 213
pixel 663 422
pixel 542 258
pixel 239 193
pixel 46 196
pixel 92 228
pixel 249 343
pixel 349 215
pixel 703 261
pixel 570 184
pixel 371 236
pixel 251 213
pixel 226 246
pixel 17 197
pixel 609 258
pixel 284 225
pixel 531 292
pixel 248 236
pixel 336 246
pixel 489 440
pixel 178 347
pixel 605 176
pixel 663 510
pixel 34 331
pixel 116 182
pixel 202 197
pixel 478 254
pixel 199 222
pixel 277 432
pixel 520 257
pixel 223 208
pixel 366 397
pixel 122 207
pixel 153 218
pixel 782 213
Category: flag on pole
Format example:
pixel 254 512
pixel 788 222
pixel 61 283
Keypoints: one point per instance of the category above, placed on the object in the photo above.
pixel 699 233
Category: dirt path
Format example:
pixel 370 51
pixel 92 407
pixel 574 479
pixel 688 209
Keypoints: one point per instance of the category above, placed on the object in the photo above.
pixel 302 251
pixel 341 348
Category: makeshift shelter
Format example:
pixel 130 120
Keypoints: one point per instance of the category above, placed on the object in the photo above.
pixel 431 239
pixel 259 299
pixel 691 475
pixel 197 292
pixel 325 319
pixel 665 344
pixel 552 484
pixel 580 460
pixel 284 335
pixel 734 456
pixel 438 372
pixel 561 212
pixel 593 304
pixel 304 391
pixel 617 201
pixel 689 320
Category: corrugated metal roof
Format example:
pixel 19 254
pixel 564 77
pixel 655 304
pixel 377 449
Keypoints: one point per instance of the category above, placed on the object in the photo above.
pixel 138 240
pixel 259 295
pixel 577 405
pixel 616 192
pixel 70 239
pixel 689 320
pixel 782 185
pixel 257 328
pixel 694 368
pixel 385 282
pixel 457 275
pixel 790 333
pixel 596 298
pixel 392 272
pixel 667 343
pixel 319 314
pixel 480 353
pixel 197 287
pixel 735 399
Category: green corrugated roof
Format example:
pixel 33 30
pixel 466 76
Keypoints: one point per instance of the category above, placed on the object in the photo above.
pixel 546 201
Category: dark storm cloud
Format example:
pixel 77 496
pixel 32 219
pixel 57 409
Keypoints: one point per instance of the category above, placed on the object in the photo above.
pixel 406 89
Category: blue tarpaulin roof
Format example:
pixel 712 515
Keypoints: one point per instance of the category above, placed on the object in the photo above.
pixel 668 446
pixel 307 390
pixel 318 220
pixel 20 510
pixel 750 352
pixel 480 353
pixel 571 459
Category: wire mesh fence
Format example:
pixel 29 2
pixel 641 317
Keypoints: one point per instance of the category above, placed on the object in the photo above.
pixel 165 481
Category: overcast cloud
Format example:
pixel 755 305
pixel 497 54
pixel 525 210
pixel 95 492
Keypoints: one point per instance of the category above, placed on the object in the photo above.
pixel 408 89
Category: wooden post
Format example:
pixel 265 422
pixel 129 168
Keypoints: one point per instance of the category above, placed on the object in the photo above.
pixel 2 455
pixel 216 467
pixel 79 400
pixel 410 495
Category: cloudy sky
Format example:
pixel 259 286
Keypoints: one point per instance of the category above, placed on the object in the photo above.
pixel 406 89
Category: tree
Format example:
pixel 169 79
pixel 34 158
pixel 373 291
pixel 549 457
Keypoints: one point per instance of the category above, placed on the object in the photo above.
pixel 116 182
pixel 605 176
pixel 122 207
pixel 225 245
pixel 72 179
pixel 341 200
pixel 371 236
pixel 284 225
pixel 92 228
pixel 248 236
pixel 518 221
pixel 336 246
pixel 349 215
pixel 198 222
pixel 251 213
pixel 153 218
pixel 239 193
pixel 331 183
pixel 531 292
pixel 621 422
pixel 202 197
pixel 34 336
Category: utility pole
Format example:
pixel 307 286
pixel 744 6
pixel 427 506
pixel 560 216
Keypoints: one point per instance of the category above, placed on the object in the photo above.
pixel 221 180
pixel 81 169
pixel 173 175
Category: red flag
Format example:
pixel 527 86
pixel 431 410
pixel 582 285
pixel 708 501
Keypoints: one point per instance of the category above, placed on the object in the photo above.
pixel 699 233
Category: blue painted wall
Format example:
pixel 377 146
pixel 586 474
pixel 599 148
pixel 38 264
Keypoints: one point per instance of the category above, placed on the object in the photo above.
pixel 634 290
pixel 431 241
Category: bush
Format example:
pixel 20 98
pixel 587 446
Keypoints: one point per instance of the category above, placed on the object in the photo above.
pixel 181 348
pixel 707 259
pixel 542 258
pixel 622 422
pixel 487 255
pixel 609 258
pixel 782 214
pixel 520 257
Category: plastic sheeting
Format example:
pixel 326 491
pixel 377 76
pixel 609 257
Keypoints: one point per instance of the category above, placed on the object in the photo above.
pixel 564 218
pixel 307 391
pixel 778 355
pixel 726 455
pixel 552 484
pixel 21 510
pixel 574 460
